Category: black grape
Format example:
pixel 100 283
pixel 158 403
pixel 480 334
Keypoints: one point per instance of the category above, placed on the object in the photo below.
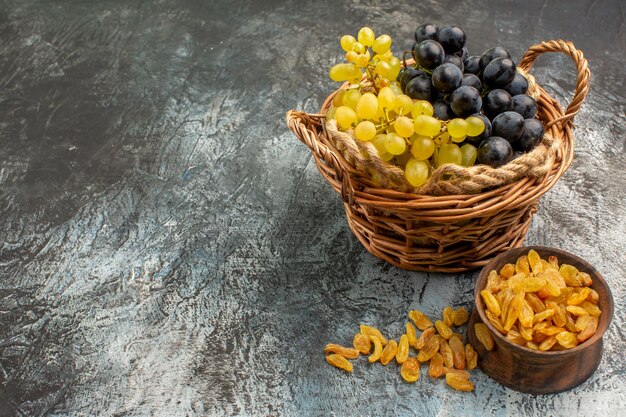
pixel 408 75
pixel 499 73
pixel 495 151
pixel 453 59
pixel 531 136
pixel 463 53
pixel 429 54
pixel 508 125
pixel 452 38
pixel 472 81
pixel 486 133
pixel 465 100
pixel 447 77
pixel 426 31
pixel 496 102
pixel 419 88
pixel 442 110
pixel 518 86
pixel 471 65
pixel 491 54
pixel 525 105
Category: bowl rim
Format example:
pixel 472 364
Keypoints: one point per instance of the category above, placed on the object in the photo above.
pixel 494 264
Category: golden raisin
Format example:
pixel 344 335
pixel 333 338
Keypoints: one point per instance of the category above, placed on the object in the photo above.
pixel 551 330
pixel 554 261
pixel 578 297
pixel 460 316
pixel 362 343
pixel 347 353
pixel 558 317
pixel 471 357
pixel 426 334
pixel 531 345
pixel 515 309
pixel 448 316
pixel 570 275
pixel 534 260
pixel 507 270
pixel 446 353
pixel 420 319
pixel 410 370
pixel 526 315
pixel 458 382
pixel 592 309
pixel 389 352
pixel 567 339
pixel 577 310
pixel 589 330
pixel 378 349
pixel 435 366
pixel 403 349
pixel 526 333
pixel 339 361
pixel 495 322
pixel 483 335
pixel 494 282
pixel 373 331
pixel 594 297
pixel 458 352
pixel 430 348
pixel 546 314
pixel 491 303
pixel 515 337
pixel 535 302
pixel 509 294
pixel 412 335
pixel 522 266
pixel 585 279
pixel 547 343
pixel 582 322
pixel 443 330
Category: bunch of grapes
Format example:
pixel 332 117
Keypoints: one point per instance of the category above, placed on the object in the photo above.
pixel 403 130
pixel 486 86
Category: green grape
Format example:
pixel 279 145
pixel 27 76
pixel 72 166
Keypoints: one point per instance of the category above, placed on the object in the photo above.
pixel 468 155
pixel 395 144
pixel 365 131
pixel 423 147
pixel 444 138
pixel 396 65
pixel 449 154
pixel 330 114
pixel 397 90
pixel 343 72
pixel 382 68
pixel 363 59
pixel 358 47
pixel 457 128
pixel 366 36
pixel 457 140
pixel 358 76
pixel 338 99
pixel 382 44
pixel 347 41
pixel 426 125
pixel 475 126
pixel 386 156
pixel 384 57
pixel 379 143
pixel 367 106
pixel 422 107
pixel 351 98
pixel 416 172
pixel 386 98
pixel 346 117
pixel 403 126
pixel 351 56
pixel 403 103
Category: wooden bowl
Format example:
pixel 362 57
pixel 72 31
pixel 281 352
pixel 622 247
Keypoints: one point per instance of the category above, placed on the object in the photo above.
pixel 532 371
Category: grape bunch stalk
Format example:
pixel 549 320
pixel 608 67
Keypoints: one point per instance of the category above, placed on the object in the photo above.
pixel 402 129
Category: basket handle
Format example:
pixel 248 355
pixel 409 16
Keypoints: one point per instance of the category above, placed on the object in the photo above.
pixel 302 124
pixel 582 78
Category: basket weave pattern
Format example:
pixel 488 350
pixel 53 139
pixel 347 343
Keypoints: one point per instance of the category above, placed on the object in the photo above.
pixel 453 226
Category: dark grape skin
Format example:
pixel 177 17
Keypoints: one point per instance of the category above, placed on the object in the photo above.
pixel 452 38
pixel 518 86
pixel 525 105
pixel 453 59
pixel 426 31
pixel 499 73
pixel 517 154
pixel 471 65
pixel 494 151
pixel 465 100
pixel 496 102
pixel 408 74
pixel 532 133
pixel 442 110
pixel 472 81
pixel 491 54
pixel 463 53
pixel 429 54
pixel 419 88
pixel 486 133
pixel 508 125
pixel 447 77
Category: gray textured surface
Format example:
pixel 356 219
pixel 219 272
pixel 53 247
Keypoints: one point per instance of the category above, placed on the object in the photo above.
pixel 167 247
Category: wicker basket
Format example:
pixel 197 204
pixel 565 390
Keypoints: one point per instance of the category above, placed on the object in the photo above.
pixel 453 232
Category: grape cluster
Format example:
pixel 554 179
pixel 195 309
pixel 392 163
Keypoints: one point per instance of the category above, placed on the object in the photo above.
pixel 404 129
pixel 487 87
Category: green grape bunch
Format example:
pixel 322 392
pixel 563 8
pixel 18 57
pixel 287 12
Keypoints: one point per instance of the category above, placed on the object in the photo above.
pixel 403 130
